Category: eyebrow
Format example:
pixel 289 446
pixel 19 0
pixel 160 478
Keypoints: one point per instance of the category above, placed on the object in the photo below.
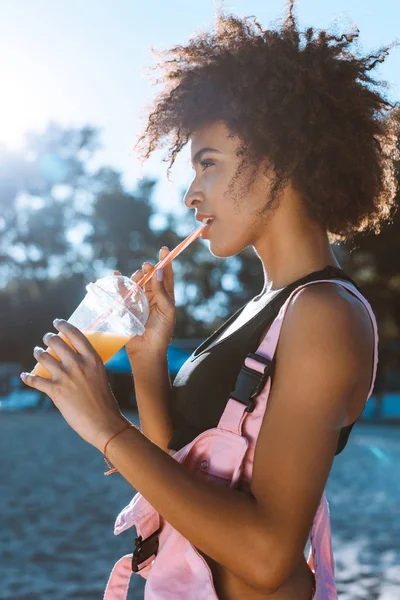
pixel 199 154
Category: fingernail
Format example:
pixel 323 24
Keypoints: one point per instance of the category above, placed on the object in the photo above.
pixel 160 274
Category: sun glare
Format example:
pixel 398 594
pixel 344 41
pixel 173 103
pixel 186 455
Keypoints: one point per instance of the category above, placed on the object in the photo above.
pixel 24 105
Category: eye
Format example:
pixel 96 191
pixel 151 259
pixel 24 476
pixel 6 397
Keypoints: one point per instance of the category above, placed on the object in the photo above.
pixel 206 162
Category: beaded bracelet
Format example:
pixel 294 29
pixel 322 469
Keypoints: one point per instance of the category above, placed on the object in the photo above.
pixel 114 470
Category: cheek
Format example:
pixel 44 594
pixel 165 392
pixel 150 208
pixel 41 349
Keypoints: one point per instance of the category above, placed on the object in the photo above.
pixel 214 183
pixel 229 237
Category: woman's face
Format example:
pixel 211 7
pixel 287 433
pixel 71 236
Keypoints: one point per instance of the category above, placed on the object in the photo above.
pixel 235 204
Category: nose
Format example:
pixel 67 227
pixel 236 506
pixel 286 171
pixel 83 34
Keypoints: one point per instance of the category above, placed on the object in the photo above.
pixel 192 197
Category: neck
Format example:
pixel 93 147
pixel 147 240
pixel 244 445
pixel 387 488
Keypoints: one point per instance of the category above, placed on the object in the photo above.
pixel 292 249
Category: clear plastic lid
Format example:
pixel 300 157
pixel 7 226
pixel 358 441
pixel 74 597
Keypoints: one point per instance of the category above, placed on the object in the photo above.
pixel 111 292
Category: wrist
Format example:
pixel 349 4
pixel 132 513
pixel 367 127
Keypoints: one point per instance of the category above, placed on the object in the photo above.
pixel 113 425
pixel 139 358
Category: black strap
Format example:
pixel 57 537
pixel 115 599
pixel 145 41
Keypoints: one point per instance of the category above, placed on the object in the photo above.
pixel 145 549
pixel 250 382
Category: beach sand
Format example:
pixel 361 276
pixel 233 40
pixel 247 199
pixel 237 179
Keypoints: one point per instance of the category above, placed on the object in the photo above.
pixel 58 511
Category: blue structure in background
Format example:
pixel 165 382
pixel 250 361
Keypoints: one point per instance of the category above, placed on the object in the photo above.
pixel 119 363
pixel 14 395
pixel 390 406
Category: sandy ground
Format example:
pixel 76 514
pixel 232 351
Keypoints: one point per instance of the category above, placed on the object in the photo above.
pixel 57 513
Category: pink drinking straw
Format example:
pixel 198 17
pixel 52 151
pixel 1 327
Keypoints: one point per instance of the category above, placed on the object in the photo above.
pixel 162 263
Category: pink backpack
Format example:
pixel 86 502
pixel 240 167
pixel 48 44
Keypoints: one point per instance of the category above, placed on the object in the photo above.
pixel 171 565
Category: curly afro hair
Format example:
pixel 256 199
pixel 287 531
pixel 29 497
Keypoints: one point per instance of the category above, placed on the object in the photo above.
pixel 302 106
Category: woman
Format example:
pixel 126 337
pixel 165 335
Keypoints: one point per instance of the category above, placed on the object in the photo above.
pixel 291 153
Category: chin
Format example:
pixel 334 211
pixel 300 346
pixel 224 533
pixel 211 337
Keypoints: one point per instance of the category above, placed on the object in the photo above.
pixel 221 250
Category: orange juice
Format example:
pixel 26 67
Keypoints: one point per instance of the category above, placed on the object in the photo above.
pixel 105 343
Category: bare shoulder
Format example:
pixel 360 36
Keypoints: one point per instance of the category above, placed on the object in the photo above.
pixel 336 327
pixel 340 311
pixel 334 309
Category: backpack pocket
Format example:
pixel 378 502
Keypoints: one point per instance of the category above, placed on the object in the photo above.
pixel 217 456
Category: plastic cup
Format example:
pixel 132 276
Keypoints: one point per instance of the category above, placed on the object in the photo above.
pixel 107 318
pixel 114 310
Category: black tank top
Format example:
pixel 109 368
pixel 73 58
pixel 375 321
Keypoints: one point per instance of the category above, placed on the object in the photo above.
pixel 203 384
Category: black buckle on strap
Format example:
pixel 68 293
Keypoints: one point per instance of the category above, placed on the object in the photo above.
pixel 144 549
pixel 250 382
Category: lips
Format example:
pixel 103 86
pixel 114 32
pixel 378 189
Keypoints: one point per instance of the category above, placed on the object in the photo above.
pixel 207 228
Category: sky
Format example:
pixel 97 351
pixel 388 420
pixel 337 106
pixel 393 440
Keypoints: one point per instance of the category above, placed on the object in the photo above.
pixel 84 62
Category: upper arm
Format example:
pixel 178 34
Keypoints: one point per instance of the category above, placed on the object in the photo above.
pixel 319 361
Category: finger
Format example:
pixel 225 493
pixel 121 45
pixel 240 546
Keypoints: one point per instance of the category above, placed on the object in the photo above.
pixel 49 360
pixel 164 300
pixel 121 285
pixel 38 383
pixel 60 348
pixel 165 297
pixel 137 275
pixel 146 267
pixel 79 341
pixel 168 274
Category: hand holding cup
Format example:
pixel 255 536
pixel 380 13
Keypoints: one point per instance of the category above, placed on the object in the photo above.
pixel 160 324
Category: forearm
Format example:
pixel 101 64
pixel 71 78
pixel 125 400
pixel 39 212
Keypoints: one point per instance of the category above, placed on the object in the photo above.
pixel 224 523
pixel 153 397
